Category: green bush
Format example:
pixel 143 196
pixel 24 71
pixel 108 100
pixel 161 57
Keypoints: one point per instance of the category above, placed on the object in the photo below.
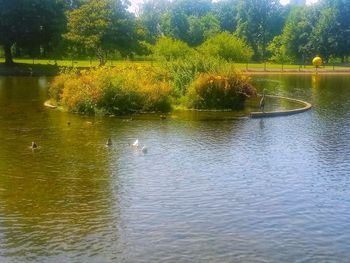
pixel 170 49
pixel 228 47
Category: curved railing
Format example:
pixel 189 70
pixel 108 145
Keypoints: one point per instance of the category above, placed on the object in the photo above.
pixel 266 114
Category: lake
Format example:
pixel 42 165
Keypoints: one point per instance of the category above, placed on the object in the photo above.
pixel 208 189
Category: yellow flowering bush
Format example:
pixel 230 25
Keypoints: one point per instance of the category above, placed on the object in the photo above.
pixel 228 90
pixel 116 90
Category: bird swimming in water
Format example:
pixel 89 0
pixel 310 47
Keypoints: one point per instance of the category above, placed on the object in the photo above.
pixel 34 145
pixel 144 149
pixel 137 146
pixel 136 143
pixel 262 101
pixel 109 142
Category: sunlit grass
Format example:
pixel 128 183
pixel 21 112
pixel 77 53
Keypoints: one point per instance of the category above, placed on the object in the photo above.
pixel 94 63
pixel 280 66
pixel 76 63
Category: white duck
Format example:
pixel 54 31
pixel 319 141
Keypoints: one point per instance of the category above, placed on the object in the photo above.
pixel 136 143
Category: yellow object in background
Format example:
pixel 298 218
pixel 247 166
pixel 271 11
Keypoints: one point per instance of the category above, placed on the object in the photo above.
pixel 317 61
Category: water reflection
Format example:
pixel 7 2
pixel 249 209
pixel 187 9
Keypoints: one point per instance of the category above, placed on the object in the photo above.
pixel 60 197
pixel 237 189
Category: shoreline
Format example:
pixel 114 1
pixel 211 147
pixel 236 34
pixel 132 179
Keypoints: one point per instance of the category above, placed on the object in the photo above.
pixel 38 70
pixel 295 72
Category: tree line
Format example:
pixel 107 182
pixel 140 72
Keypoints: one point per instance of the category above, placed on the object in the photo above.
pixel 105 28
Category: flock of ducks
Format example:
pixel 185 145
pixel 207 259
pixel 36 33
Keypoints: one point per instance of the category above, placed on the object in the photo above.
pixel 135 145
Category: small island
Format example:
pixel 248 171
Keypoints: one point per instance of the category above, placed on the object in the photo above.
pixel 126 89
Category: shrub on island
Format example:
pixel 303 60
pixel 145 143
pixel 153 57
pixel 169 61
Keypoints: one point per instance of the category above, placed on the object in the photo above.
pixel 112 90
pixel 224 91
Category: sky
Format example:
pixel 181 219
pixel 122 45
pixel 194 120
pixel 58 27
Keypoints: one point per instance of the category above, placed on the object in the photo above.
pixel 135 3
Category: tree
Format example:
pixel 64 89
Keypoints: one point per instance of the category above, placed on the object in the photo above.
pixel 191 8
pixel 258 22
pixel 278 50
pixel 176 25
pixel 201 28
pixel 151 15
pixel 296 35
pixel 30 24
pixel 169 48
pixel 226 12
pixel 101 26
pixel 339 14
pixel 182 21
pixel 326 36
pixel 228 47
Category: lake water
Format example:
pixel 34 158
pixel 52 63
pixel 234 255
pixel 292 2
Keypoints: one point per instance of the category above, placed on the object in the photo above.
pixel 241 190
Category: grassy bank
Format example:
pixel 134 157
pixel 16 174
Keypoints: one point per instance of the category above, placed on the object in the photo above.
pixel 46 67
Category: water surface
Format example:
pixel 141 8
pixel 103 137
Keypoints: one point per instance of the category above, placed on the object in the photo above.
pixel 238 190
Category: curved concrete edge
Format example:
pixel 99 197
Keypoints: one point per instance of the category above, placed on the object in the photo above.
pixel 306 107
pixel 49 105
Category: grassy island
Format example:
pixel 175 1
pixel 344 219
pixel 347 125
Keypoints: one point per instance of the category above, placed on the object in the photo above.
pixel 195 83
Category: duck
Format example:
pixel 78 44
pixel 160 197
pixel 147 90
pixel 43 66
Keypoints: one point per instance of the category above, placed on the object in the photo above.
pixel 136 143
pixel 109 142
pixel 34 145
pixel 144 149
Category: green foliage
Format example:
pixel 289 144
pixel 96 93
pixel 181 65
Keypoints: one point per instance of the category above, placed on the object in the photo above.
pixel 192 8
pixel 102 26
pixel 339 31
pixel 184 71
pixel 188 21
pixel 326 35
pixel 201 28
pixel 258 22
pixel 278 50
pixel 33 26
pixel 227 90
pixel 226 12
pixel 169 49
pixel 228 47
pixel 296 35
pixel 106 29
pixel 151 15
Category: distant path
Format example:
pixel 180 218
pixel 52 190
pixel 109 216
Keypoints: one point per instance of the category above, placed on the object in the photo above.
pixel 273 71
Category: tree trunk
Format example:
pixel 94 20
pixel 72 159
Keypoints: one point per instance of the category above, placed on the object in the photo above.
pixel 8 54
pixel 101 54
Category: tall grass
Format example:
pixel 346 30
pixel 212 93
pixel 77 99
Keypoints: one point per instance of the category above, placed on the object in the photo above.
pixel 182 72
